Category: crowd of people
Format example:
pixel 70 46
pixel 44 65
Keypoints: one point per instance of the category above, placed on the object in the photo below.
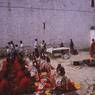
pixel 32 74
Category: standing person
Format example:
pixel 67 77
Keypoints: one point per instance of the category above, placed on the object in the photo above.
pixel 12 45
pixel 92 48
pixel 36 50
pixel 7 50
pixel 71 44
pixel 36 44
pixel 43 47
pixel 9 45
pixel 10 52
pixel 16 49
pixel 61 44
pixel 21 44
pixel 72 49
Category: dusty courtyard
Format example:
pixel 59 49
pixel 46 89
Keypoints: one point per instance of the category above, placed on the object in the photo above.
pixel 82 74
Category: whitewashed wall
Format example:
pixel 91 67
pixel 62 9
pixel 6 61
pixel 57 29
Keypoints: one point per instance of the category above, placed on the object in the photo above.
pixel 65 19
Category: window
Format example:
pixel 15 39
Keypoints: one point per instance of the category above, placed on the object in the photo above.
pixel 92 3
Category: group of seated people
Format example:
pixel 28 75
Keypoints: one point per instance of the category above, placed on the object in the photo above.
pixel 32 74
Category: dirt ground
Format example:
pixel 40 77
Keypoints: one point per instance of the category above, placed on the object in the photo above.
pixel 81 74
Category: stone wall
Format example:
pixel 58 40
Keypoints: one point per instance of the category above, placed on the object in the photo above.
pixel 64 19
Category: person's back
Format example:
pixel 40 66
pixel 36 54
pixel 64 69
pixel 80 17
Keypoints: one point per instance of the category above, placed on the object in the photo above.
pixel 61 45
pixel 60 70
pixel 71 44
pixel 72 48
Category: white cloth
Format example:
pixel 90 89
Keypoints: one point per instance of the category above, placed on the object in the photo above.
pixel 58 81
pixel 35 44
pixel 21 45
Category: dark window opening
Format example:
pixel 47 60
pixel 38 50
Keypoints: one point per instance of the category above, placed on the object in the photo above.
pixel 92 3
pixel 44 25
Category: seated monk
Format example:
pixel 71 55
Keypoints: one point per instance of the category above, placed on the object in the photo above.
pixel 25 85
pixel 62 83
pixel 60 70
pixel 59 77
pixel 92 48
pixel 20 74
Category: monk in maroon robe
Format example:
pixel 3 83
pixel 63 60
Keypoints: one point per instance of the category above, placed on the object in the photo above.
pixel 20 74
pixel 92 48
pixel 4 87
pixel 25 85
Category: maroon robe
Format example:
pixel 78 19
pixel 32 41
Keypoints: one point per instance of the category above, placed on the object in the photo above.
pixel 92 49
pixel 20 74
pixel 16 66
pixel 3 87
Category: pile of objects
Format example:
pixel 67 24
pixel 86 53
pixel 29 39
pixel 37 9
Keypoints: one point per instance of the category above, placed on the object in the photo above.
pixel 88 62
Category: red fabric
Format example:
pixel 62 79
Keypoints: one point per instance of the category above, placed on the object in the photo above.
pixel 48 85
pixel 92 49
pixel 20 74
pixel 16 60
pixel 23 86
pixel 24 83
pixel 3 87
pixel 16 65
pixel 4 67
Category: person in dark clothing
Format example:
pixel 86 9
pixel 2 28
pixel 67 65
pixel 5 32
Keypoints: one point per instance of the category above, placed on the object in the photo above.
pixel 59 80
pixel 71 44
pixel 12 45
pixel 72 49
pixel 61 44
pixel 43 46
pixel 60 70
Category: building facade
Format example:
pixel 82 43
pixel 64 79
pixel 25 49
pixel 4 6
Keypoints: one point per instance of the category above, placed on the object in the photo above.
pixel 50 20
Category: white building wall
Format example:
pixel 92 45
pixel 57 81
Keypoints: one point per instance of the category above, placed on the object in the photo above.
pixel 65 19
